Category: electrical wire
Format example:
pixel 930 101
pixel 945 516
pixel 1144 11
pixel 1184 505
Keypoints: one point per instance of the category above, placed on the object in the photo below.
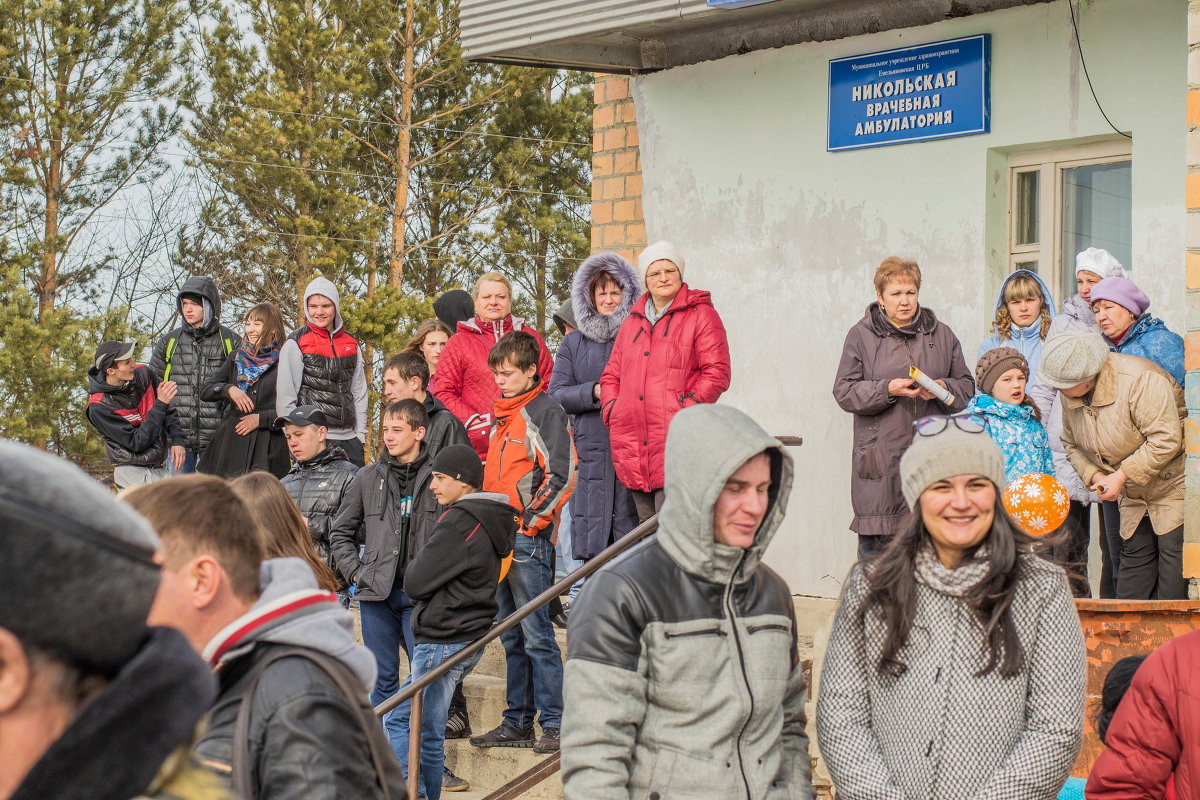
pixel 1079 47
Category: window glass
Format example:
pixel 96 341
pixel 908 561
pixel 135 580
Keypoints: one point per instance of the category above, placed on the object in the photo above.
pixel 1097 211
pixel 1025 229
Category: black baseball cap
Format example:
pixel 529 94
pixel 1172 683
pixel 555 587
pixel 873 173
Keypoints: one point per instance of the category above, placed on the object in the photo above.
pixel 110 352
pixel 303 415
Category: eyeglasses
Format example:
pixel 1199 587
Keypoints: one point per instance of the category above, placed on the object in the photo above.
pixel 661 273
pixel 933 425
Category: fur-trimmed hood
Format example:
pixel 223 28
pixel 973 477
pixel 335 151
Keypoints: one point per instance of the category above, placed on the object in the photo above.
pixel 592 324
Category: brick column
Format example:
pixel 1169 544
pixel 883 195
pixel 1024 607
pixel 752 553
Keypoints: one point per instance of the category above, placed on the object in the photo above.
pixel 617 222
pixel 1191 547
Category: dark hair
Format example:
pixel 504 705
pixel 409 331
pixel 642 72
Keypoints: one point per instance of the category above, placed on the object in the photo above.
pixel 410 411
pixel 599 279
pixel 273 331
pixel 892 592
pixel 283 530
pixel 200 515
pixel 518 348
pixel 1116 683
pixel 409 365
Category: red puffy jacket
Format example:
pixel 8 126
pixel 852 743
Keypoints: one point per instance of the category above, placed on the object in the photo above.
pixel 1156 730
pixel 653 372
pixel 464 381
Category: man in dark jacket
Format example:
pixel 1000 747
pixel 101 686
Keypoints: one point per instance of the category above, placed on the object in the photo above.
pixel 281 647
pixel 93 702
pixel 320 365
pixel 453 582
pixel 390 502
pixel 319 477
pixel 191 355
pixel 683 654
pixel 406 377
pixel 132 411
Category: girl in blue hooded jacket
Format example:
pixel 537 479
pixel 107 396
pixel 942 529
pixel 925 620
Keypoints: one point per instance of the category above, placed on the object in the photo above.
pixel 1024 309
pixel 1012 418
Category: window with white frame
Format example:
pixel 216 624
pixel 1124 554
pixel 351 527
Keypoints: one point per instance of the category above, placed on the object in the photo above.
pixel 1066 200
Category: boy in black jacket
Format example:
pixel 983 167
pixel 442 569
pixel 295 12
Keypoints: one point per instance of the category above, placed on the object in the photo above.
pixel 452 581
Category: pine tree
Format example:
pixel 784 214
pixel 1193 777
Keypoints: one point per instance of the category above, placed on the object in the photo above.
pixel 91 94
pixel 544 153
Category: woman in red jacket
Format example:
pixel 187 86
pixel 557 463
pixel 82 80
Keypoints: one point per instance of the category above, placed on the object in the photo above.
pixel 671 352
pixel 1155 732
pixel 463 380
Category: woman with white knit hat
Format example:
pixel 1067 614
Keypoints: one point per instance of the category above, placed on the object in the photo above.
pixel 1091 267
pixel 671 352
pixel 956 665
pixel 1123 434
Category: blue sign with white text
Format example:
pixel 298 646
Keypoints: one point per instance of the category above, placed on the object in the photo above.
pixel 932 91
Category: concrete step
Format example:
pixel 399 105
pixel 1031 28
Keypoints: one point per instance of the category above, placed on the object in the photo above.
pixel 492 767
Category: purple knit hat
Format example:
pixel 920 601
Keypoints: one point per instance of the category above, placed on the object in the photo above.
pixel 1123 292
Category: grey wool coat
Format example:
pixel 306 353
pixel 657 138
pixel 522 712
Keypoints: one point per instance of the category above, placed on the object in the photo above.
pixel 683 678
pixel 938 732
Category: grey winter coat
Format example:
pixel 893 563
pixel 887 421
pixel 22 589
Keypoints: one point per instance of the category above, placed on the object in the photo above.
pixel 683 677
pixel 1076 317
pixel 875 352
pixel 193 356
pixel 939 732
pixel 602 509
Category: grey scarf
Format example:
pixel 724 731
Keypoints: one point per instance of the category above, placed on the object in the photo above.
pixel 955 582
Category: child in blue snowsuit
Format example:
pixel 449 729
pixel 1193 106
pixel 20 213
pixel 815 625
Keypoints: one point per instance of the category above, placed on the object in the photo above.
pixel 1012 418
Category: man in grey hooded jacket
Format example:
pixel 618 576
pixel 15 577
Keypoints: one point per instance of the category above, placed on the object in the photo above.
pixel 683 676
pixel 320 365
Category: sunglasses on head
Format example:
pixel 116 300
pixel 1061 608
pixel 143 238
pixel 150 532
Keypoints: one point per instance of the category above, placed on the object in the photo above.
pixel 933 425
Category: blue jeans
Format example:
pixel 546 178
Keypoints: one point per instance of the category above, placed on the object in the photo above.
pixel 534 662
pixel 189 463
pixel 435 708
pixel 385 629
pixel 566 563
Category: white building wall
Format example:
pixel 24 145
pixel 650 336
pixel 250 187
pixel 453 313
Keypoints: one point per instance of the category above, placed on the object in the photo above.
pixel 787 236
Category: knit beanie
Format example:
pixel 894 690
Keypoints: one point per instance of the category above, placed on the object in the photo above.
pixel 1099 262
pixel 1069 359
pixel 657 252
pixel 952 452
pixel 453 307
pixel 996 362
pixel 461 462
pixel 77 577
pixel 1124 293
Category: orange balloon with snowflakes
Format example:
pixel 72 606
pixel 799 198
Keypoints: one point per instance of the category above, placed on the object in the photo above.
pixel 1039 503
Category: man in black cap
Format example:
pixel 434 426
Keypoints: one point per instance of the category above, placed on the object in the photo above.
pixel 132 411
pixel 319 477
pixel 93 702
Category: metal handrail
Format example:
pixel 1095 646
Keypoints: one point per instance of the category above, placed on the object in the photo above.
pixel 508 623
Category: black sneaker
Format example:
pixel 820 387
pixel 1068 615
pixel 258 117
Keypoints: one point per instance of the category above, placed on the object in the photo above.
pixel 548 743
pixel 458 726
pixel 453 783
pixel 505 735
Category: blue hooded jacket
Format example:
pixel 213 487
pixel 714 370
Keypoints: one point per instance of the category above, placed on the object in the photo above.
pixel 1149 338
pixel 1027 341
pixel 1022 438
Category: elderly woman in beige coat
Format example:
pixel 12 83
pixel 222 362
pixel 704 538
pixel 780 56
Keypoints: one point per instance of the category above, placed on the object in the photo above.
pixel 1123 434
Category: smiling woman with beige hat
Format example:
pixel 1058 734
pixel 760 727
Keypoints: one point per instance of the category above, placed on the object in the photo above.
pixel 956 664
pixel 1123 434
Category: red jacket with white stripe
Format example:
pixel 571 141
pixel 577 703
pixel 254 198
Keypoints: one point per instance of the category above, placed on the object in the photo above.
pixel 655 370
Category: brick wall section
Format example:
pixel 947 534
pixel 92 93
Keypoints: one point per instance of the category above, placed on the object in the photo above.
pixel 617 222
pixel 1191 554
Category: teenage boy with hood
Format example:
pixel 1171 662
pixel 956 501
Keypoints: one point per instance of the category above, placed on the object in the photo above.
pixel 683 675
pixel 453 583
pixel 191 355
pixel 94 703
pixel 283 651
pixel 320 365
pixel 132 411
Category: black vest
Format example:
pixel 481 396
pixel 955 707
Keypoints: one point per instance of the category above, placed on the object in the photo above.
pixel 329 365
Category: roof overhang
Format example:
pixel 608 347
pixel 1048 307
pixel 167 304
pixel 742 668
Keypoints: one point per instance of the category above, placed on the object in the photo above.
pixel 627 36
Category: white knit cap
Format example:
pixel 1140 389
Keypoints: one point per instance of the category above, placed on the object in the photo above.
pixel 657 252
pixel 1069 359
pixel 942 456
pixel 1099 262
